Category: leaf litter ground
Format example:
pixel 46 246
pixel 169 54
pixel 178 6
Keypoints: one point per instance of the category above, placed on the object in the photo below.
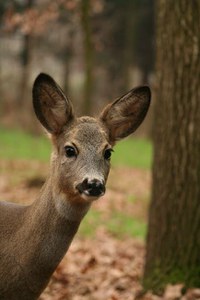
pixel 99 267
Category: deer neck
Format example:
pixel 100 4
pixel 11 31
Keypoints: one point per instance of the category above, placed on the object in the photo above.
pixel 54 218
pixel 50 224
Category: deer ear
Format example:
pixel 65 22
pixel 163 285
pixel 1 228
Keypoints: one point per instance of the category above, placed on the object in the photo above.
pixel 51 106
pixel 123 116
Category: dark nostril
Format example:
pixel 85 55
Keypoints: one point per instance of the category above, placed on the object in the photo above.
pixel 85 183
pixel 81 187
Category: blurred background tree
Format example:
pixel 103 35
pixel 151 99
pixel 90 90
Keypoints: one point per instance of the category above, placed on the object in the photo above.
pixel 96 50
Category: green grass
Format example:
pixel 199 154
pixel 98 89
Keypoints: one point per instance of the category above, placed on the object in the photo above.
pixel 15 144
pixel 123 225
pixel 90 223
pixel 118 224
pixel 133 152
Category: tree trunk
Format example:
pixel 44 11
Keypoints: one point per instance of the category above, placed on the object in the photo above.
pixel 88 56
pixel 173 242
pixel 23 106
pixel 128 52
pixel 25 62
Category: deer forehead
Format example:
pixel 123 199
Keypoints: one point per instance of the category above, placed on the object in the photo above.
pixel 87 132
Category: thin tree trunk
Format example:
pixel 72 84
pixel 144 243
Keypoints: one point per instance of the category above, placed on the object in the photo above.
pixel 23 105
pixel 88 56
pixel 128 54
pixel 66 64
pixel 173 242
pixel 25 59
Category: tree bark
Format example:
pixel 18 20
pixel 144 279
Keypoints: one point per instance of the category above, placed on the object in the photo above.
pixel 173 241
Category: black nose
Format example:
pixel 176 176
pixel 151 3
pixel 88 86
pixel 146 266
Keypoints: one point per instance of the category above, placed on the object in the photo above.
pixel 92 187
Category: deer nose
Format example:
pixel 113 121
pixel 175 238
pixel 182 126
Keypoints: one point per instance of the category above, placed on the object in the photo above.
pixel 94 187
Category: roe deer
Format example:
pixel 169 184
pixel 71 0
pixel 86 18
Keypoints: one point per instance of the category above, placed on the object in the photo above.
pixel 34 238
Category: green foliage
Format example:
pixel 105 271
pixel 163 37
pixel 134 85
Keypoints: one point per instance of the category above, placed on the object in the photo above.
pixel 16 144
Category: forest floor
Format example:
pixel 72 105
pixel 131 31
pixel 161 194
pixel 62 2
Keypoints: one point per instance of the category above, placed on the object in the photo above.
pixel 105 264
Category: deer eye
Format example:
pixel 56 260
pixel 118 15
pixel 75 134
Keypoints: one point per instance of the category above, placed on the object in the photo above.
pixel 70 151
pixel 107 154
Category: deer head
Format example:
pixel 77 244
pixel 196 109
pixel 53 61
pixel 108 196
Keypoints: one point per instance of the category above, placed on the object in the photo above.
pixel 82 146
